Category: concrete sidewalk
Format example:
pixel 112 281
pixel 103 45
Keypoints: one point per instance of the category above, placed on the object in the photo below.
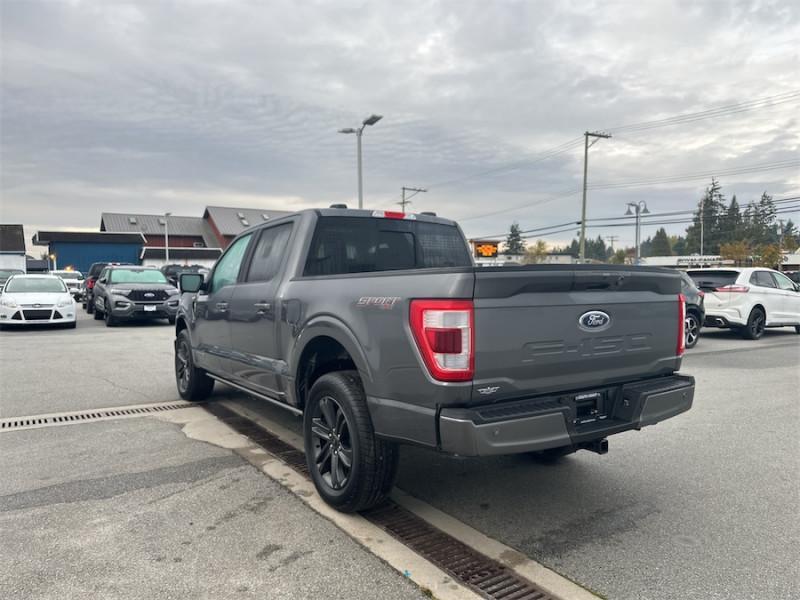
pixel 135 509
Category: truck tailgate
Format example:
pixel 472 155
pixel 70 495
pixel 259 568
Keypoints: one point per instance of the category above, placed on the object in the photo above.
pixel 529 338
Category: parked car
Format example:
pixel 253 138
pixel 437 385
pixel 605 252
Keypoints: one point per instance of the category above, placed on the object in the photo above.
pixel 173 272
pixel 125 293
pixel 695 310
pixel 748 299
pixel 36 299
pixel 794 276
pixel 88 283
pixel 74 282
pixel 6 273
pixel 378 328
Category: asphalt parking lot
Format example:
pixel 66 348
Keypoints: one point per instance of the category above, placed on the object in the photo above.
pixel 702 506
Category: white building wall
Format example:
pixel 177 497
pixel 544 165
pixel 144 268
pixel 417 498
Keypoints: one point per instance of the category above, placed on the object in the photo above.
pixel 12 261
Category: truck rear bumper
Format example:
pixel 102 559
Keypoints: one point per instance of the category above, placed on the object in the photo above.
pixel 557 421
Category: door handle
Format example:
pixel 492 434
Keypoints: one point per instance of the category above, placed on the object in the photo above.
pixel 222 306
pixel 263 306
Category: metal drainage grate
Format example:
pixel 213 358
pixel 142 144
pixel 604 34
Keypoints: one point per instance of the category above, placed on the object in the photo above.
pixel 483 575
pixel 32 422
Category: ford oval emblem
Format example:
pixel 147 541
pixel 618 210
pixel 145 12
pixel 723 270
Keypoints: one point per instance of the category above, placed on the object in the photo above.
pixel 149 295
pixel 594 320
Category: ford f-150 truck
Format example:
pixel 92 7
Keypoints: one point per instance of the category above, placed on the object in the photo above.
pixel 379 330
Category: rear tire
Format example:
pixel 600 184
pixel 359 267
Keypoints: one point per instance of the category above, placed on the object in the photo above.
pixel 692 330
pixel 756 323
pixel 194 384
pixel 89 306
pixel 337 429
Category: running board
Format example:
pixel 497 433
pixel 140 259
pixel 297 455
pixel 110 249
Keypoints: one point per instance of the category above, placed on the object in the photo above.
pixel 278 403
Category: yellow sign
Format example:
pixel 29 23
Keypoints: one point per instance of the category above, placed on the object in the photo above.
pixel 485 249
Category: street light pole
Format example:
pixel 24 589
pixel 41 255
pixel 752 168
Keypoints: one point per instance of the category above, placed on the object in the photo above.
pixel 166 237
pixel 586 146
pixel 640 208
pixel 371 120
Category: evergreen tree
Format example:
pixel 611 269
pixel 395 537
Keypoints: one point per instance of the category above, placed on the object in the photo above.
pixel 678 245
pixel 661 245
pixel 712 208
pixel 514 241
pixel 733 225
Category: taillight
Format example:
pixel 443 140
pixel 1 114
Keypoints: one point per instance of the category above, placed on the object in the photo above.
pixel 681 324
pixel 444 332
pixel 89 284
pixel 735 289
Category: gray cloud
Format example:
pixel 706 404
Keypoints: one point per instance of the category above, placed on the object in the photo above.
pixel 171 105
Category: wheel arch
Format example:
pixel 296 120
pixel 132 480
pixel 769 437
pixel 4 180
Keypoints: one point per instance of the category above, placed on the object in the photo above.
pixel 324 346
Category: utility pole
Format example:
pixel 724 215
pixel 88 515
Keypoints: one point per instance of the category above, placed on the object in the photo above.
pixel 611 239
pixel 403 202
pixel 586 135
pixel 702 207
pixel 780 244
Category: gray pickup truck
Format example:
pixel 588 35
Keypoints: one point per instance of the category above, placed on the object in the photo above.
pixel 379 330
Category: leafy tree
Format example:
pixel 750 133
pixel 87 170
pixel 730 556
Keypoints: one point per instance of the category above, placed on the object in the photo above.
pixel 619 257
pixel 536 254
pixel 514 242
pixel 770 256
pixel 660 245
pixel 739 252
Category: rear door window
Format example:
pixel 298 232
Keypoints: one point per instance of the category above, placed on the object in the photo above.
pixel 363 245
pixel 269 252
pixel 762 279
pixel 711 279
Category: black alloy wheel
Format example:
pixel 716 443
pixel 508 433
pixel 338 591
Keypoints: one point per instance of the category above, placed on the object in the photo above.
pixel 352 469
pixel 756 324
pixel 333 449
pixel 691 330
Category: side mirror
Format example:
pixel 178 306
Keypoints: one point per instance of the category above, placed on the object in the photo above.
pixel 191 282
pixel 101 280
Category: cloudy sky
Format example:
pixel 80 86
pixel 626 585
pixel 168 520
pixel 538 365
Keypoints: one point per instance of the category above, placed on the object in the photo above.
pixel 155 106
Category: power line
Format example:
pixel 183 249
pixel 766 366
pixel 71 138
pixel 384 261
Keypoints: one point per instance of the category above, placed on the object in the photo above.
pixel 710 113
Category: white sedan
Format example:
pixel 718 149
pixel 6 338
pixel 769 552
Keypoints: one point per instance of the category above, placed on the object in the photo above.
pixel 748 299
pixel 36 299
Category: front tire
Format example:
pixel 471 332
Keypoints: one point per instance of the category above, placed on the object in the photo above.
pixel 692 330
pixel 111 321
pixel 351 468
pixel 194 384
pixel 98 314
pixel 756 324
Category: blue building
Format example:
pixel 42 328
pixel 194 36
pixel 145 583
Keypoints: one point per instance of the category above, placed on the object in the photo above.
pixel 79 249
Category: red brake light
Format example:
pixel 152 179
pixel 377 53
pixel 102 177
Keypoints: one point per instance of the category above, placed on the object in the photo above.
pixel 739 289
pixel 681 325
pixel 90 283
pixel 444 333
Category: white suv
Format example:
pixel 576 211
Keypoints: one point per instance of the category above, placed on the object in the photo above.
pixel 748 299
